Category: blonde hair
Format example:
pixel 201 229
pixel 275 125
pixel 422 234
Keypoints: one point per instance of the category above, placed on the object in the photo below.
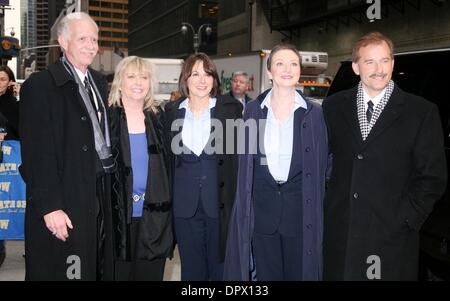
pixel 141 65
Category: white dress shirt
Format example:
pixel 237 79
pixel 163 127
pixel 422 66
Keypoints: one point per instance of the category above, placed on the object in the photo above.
pixel 196 131
pixel 375 100
pixel 279 139
pixel 82 76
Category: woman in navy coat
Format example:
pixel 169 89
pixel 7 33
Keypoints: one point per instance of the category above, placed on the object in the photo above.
pixel 204 175
pixel 277 215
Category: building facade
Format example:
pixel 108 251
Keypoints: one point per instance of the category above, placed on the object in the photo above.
pixel 155 27
pixel 332 26
pixel 112 19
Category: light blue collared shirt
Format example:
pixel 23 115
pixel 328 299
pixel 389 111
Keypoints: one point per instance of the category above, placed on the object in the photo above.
pixel 196 131
pixel 279 139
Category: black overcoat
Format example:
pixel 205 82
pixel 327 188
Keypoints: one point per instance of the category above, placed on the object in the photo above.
pixel 382 189
pixel 155 236
pixel 59 168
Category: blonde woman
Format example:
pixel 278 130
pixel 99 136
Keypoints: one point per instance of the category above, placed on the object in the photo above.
pixel 140 197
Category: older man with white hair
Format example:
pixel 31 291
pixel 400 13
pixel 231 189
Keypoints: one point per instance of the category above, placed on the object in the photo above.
pixel 66 162
pixel 239 87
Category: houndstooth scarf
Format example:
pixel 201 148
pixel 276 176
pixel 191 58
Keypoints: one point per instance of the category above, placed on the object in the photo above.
pixel 364 126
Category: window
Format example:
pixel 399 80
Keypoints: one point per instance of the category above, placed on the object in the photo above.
pixel 208 10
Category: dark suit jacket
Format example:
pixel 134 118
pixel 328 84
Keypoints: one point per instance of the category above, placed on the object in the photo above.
pixel 382 189
pixel 58 166
pixel 280 207
pixel 227 164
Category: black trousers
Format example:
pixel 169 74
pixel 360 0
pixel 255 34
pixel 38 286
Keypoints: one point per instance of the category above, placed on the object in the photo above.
pixel 139 269
pixel 198 243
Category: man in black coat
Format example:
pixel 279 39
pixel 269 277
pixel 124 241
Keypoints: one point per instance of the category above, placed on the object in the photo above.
pixel 388 171
pixel 66 162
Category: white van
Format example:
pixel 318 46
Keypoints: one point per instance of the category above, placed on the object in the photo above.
pixel 168 73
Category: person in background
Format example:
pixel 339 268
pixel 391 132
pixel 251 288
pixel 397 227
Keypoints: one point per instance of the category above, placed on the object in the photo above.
pixel 278 213
pixel 389 169
pixel 142 213
pixel 67 162
pixel 204 181
pixel 174 95
pixel 9 119
pixel 239 87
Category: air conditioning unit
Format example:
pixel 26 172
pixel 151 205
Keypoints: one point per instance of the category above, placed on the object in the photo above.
pixel 314 63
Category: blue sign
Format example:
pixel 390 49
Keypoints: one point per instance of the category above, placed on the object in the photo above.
pixel 12 193
pixel 4 2
pixel 9 47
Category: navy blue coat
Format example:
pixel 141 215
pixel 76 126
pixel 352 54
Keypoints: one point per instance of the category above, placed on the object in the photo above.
pixel 315 163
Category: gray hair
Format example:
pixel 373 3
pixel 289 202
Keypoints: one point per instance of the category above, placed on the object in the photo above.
pixel 64 25
pixel 241 73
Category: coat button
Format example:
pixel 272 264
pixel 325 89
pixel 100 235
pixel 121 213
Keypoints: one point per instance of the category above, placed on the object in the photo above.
pixel 220 162
pixel 83 118
pixel 84 148
pixel 307 149
pixel 304 125
pixel 308 175
pixel 309 226
pixel 308 201
pixel 222 205
pixel 355 195
pixel 360 157
pixel 221 184
pixel 309 252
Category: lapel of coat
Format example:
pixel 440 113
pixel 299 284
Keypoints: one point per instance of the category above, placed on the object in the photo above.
pixel 390 113
pixel 350 113
pixel 172 113
pixel 101 84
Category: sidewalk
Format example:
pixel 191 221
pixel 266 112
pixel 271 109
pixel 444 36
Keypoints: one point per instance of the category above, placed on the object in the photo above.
pixel 13 269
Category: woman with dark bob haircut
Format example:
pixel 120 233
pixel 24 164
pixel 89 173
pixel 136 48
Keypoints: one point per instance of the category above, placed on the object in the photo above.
pixel 203 176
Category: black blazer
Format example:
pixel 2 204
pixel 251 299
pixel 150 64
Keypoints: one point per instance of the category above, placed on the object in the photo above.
pixel 382 189
pixel 227 164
